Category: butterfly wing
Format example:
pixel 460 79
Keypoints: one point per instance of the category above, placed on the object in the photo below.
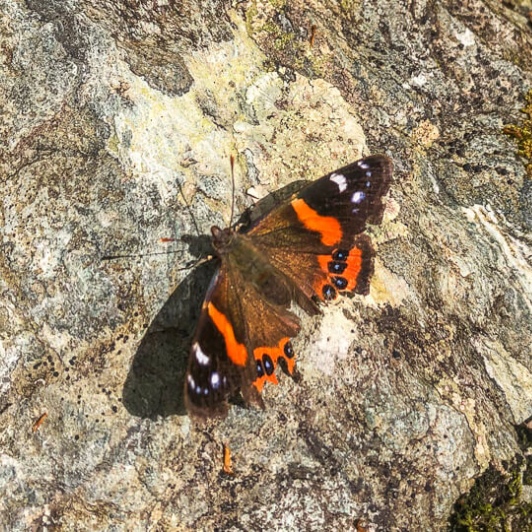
pixel 309 249
pixel 317 241
pixel 241 335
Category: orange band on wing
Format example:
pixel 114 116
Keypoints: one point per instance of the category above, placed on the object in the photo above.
pixel 275 353
pixel 236 351
pixel 328 227
pixel 353 265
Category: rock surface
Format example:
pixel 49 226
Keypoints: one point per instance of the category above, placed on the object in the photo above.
pixel 118 119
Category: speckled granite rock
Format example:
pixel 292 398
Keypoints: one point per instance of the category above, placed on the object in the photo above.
pixel 118 119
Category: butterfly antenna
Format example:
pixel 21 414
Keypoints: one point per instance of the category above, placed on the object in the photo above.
pixel 165 240
pixel 138 255
pixel 188 266
pixel 232 162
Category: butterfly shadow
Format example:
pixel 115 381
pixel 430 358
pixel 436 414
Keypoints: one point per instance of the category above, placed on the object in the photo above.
pixel 155 382
pixel 154 386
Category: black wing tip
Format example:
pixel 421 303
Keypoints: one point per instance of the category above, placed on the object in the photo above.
pixel 379 170
pixel 380 165
pixel 381 158
pixel 385 164
pixel 380 162
pixel 206 411
pixel 376 159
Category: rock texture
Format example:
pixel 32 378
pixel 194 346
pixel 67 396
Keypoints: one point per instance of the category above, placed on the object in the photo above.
pixel 412 407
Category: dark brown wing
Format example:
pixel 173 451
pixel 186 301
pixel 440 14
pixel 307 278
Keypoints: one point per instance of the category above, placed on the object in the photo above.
pixel 241 335
pixel 316 240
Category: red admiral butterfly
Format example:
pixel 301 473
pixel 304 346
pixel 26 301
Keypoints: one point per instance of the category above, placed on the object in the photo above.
pixel 307 250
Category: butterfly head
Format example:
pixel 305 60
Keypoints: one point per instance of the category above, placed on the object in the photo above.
pixel 222 239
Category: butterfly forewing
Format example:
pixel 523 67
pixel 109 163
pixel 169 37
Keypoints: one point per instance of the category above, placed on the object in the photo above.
pixel 310 248
pixel 338 205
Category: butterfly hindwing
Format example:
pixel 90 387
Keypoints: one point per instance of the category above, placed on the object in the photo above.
pixel 307 250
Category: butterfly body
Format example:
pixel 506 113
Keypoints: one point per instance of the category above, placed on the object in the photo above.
pixel 238 253
pixel 307 251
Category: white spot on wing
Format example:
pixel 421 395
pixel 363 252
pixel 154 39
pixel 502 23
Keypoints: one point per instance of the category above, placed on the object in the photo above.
pixel 191 381
pixel 363 165
pixel 340 180
pixel 201 357
pixel 358 197
pixel 215 380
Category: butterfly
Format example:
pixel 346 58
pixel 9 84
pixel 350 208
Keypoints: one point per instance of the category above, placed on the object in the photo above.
pixel 307 250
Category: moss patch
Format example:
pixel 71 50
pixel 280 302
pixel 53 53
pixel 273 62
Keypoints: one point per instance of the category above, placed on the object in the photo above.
pixel 495 501
pixel 523 133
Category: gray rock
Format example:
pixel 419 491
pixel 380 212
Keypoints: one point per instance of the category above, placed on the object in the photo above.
pixel 118 119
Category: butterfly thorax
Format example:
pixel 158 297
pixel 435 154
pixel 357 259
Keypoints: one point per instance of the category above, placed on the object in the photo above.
pixel 236 250
pixel 245 262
